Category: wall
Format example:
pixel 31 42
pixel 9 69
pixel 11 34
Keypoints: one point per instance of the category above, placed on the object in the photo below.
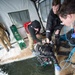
pixel 7 6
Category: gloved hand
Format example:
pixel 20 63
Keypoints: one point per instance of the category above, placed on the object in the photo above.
pixel 57 32
pixel 57 67
pixel 57 40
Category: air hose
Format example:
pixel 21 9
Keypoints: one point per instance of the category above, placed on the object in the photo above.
pixel 68 60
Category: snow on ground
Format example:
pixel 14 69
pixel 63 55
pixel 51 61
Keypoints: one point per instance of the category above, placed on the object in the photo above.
pixel 12 52
pixel 15 54
pixel 3 73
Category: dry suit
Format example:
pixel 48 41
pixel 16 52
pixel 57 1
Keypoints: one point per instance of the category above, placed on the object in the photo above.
pixel 53 24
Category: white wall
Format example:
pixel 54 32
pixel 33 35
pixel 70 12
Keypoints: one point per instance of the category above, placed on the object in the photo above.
pixel 7 6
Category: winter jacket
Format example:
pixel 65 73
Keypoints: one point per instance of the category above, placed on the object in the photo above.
pixel 53 23
pixel 30 29
pixel 26 26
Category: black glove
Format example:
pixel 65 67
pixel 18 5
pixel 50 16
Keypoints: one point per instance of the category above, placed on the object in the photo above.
pixel 57 40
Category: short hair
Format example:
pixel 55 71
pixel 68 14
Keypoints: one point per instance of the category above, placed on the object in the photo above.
pixel 67 8
pixel 56 2
pixel 66 2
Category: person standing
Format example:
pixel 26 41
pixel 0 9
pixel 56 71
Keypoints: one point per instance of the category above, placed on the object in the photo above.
pixel 53 24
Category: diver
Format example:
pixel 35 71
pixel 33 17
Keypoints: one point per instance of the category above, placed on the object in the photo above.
pixel 53 24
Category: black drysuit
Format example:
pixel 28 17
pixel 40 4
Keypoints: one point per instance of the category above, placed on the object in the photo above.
pixel 53 24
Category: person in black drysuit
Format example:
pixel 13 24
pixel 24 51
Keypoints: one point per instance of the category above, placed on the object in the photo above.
pixel 53 24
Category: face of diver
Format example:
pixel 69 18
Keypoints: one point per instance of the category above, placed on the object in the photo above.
pixel 55 8
pixel 68 20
